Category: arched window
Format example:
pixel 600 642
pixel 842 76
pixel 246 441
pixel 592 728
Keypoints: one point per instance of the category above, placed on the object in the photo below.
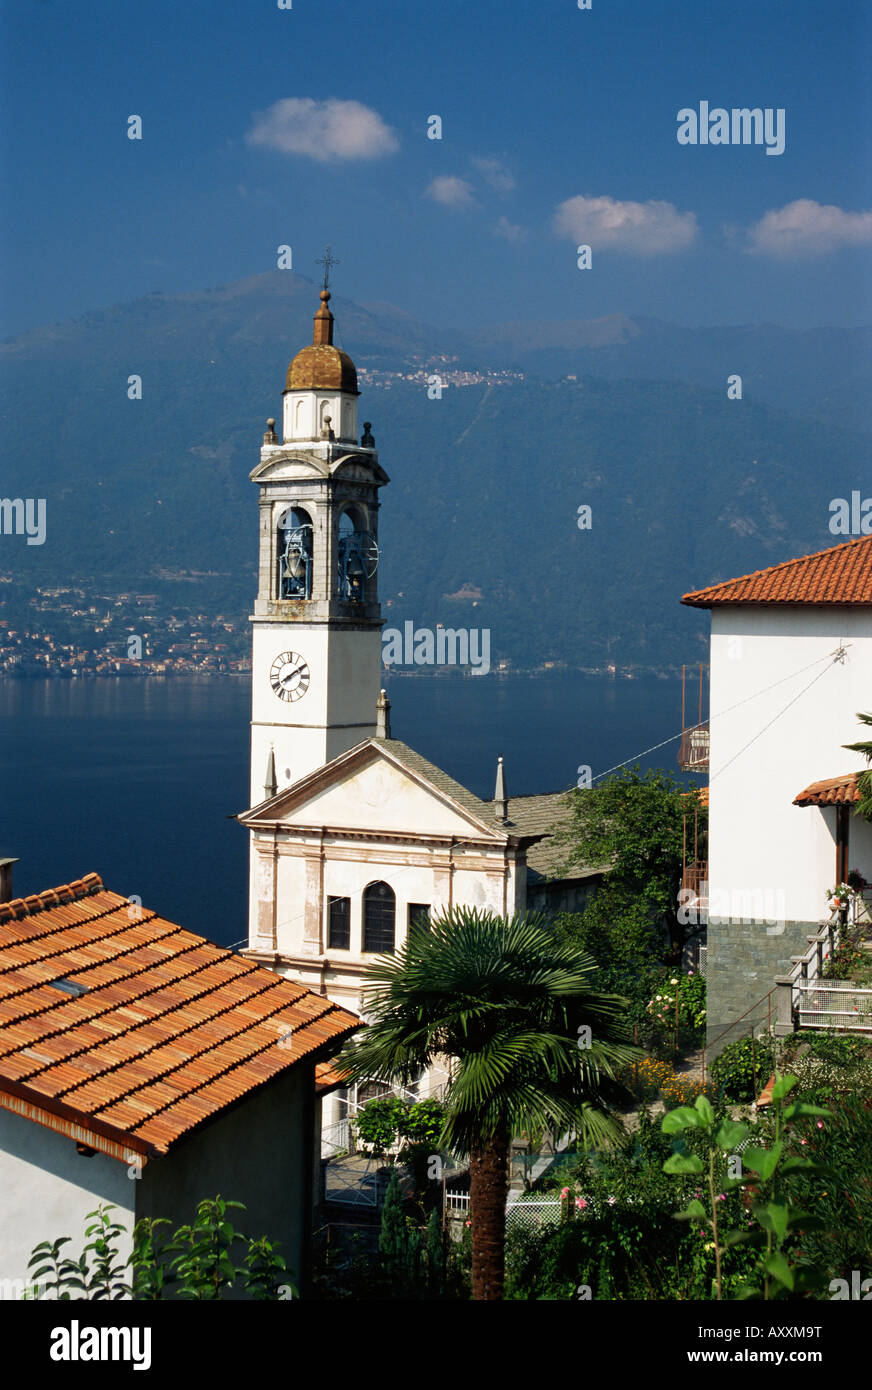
pixel 358 557
pixel 379 918
pixel 295 554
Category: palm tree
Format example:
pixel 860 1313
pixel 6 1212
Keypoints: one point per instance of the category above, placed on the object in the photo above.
pixel 864 779
pixel 530 1043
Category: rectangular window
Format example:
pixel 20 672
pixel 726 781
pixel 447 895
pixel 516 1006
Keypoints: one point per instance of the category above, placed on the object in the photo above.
pixel 419 917
pixel 339 924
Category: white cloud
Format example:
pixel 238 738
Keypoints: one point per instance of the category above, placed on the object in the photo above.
pixel 642 229
pixel 322 130
pixel 807 228
pixel 495 173
pixel 450 190
pixel 510 231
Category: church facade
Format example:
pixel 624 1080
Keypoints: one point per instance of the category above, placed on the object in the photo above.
pixel 356 839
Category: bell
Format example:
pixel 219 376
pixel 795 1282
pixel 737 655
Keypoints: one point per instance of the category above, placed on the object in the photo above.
pixel 295 563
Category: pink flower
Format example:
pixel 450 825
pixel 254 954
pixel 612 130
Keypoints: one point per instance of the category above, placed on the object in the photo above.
pixel 820 1124
pixel 803 1141
pixel 580 1203
pixel 564 1192
pixel 467 1223
pixel 612 1201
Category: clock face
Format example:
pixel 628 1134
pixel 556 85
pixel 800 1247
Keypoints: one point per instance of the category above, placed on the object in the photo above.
pixel 289 676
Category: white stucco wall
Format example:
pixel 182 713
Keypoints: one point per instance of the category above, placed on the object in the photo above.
pixel 782 737
pixel 259 1153
pixel 46 1191
pixel 304 411
pixel 377 823
pixel 337 711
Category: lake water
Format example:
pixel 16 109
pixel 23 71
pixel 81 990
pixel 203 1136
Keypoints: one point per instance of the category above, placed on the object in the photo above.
pixel 136 779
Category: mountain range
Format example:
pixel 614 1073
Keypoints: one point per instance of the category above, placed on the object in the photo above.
pixel 627 416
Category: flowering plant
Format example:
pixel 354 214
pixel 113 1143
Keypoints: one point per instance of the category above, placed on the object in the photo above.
pixel 840 896
pixel 689 990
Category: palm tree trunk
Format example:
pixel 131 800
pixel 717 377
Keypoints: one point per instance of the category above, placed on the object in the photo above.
pixel 488 1188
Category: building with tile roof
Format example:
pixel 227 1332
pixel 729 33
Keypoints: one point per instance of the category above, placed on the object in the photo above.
pixel 791 669
pixel 142 1065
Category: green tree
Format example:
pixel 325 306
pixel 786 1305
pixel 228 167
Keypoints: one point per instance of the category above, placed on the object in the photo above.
pixel 634 823
pixel 530 1044
pixel 393 1240
pixel 435 1253
pixel 864 779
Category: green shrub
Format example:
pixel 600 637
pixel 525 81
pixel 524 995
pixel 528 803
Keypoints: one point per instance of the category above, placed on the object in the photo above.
pixel 741 1071
pixel 837 1048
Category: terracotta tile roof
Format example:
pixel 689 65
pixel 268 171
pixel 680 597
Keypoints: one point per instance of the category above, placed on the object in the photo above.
pixel 116 1021
pixel 327 1077
pixel 702 793
pixel 833 791
pixel 842 574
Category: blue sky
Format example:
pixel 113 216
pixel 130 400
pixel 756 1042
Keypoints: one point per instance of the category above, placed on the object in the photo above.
pixel 264 126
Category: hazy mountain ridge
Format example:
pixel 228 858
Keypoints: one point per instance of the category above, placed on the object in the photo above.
pixel 686 487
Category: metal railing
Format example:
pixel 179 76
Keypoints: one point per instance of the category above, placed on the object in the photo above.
pixel 839 1004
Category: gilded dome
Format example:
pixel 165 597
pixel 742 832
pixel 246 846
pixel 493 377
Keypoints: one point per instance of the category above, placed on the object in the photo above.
pixel 321 366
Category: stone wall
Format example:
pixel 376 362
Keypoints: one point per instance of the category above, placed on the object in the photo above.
pixel 743 960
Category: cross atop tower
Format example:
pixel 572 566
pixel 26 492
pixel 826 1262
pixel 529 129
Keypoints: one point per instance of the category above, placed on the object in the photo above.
pixel 327 261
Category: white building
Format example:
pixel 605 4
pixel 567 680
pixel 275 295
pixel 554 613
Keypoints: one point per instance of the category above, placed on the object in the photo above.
pixel 355 838
pixel 791 668
pixel 142 1066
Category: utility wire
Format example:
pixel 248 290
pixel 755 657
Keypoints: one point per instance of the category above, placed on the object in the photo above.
pixel 837 655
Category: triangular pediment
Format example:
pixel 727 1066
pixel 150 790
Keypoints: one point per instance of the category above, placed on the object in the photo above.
pixel 373 789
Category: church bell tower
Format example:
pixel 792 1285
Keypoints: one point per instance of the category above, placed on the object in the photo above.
pixel 316 627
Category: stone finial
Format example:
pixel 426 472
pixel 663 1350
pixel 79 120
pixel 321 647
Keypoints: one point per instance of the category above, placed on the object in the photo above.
pixel 367 441
pixel 270 437
pixel 501 800
pixel 383 716
pixel 270 786
pixel 327 428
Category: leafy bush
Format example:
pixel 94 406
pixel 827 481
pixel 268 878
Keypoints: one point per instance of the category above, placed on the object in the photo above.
pixel 195 1262
pixel 837 1048
pixel 849 962
pixel 689 991
pixel 776 1218
pixel 836 1072
pixel 624 1243
pixel 377 1123
pixel 411 1127
pixel 741 1067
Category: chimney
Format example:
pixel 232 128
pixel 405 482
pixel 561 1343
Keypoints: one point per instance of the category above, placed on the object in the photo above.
pixel 501 800
pixel 6 879
pixel 383 716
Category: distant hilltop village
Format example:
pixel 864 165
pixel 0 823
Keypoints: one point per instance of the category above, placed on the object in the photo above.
pixel 447 374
